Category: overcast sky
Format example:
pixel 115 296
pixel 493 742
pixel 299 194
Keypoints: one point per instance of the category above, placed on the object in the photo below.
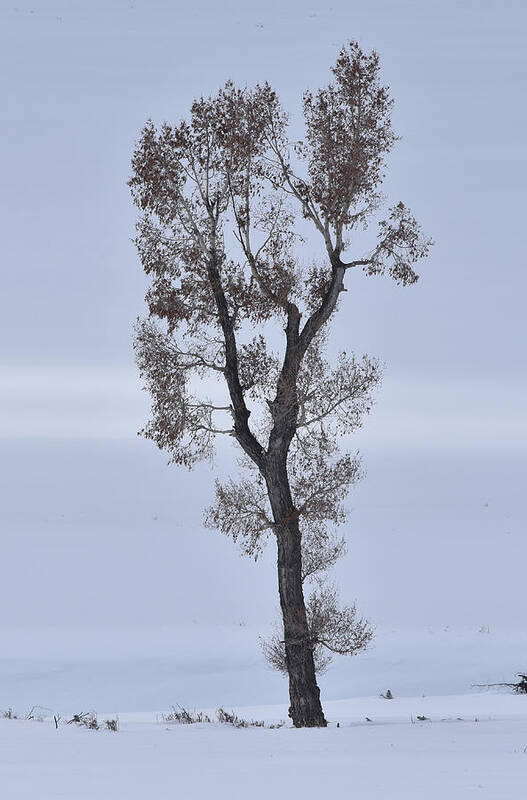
pixel 79 79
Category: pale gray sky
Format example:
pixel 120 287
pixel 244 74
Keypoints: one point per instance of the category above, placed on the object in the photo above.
pixel 79 79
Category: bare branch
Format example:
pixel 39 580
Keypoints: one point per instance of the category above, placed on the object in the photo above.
pixel 331 628
pixel 241 510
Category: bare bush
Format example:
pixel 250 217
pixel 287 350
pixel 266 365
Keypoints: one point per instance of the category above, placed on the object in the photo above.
pixel 86 719
pixel 231 718
pixel 185 717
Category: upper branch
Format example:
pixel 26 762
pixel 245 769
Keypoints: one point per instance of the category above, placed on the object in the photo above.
pixel 321 314
pixel 242 431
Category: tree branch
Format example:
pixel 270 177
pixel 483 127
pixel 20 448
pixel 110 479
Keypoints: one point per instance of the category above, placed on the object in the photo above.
pixel 242 432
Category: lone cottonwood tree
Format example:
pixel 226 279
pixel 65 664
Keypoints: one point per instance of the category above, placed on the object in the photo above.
pixel 221 195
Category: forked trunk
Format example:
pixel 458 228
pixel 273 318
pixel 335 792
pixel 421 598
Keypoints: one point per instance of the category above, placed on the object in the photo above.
pixel 304 695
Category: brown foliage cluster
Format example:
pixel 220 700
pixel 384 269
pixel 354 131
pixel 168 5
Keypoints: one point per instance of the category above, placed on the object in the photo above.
pixel 177 416
pixel 349 133
pixel 219 190
pixel 241 511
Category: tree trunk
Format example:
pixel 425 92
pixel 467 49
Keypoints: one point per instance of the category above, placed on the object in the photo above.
pixel 304 695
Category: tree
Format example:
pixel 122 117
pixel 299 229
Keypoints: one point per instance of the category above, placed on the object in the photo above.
pixel 221 196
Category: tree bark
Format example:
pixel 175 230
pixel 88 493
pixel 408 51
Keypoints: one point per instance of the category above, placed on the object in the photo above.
pixel 305 707
pixel 304 695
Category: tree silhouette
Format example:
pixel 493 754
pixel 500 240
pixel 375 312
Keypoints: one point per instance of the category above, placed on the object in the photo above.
pixel 221 195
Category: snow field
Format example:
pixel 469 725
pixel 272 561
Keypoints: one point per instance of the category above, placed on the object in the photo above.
pixel 470 745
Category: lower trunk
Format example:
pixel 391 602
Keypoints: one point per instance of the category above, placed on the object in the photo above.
pixel 304 694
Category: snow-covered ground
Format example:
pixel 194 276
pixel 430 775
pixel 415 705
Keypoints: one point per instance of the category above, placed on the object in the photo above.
pixel 68 670
pixel 469 745
pixel 470 742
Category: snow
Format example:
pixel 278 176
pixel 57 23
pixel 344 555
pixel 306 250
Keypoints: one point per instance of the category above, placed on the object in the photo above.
pixel 470 745
pixel 68 669
pixel 471 742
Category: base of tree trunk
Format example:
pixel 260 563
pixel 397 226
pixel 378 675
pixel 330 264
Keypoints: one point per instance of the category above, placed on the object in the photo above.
pixel 307 717
pixel 305 709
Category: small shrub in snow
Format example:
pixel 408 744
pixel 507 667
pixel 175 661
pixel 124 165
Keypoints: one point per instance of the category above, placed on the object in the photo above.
pixel 233 719
pixel 34 714
pixel 185 717
pixel 87 719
